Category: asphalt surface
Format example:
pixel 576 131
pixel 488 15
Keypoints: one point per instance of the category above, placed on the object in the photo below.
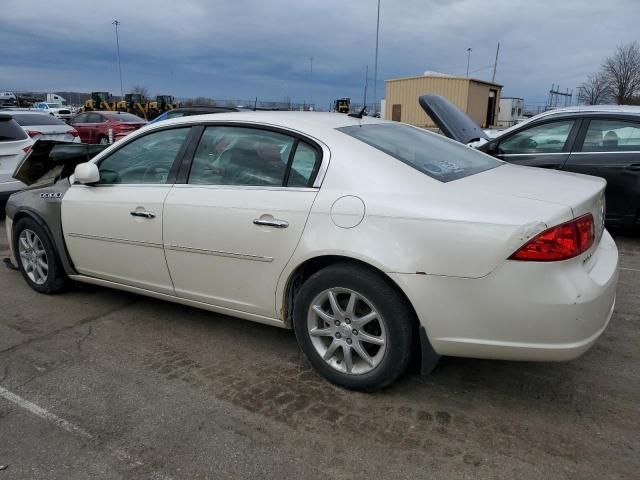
pixel 96 383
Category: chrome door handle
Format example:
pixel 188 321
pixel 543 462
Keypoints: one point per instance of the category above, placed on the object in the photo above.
pixel 143 214
pixel 271 223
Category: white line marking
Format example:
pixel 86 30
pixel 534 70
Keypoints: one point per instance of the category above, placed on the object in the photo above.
pixel 630 269
pixel 119 453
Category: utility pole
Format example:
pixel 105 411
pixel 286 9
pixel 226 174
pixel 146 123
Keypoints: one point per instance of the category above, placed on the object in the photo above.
pixel 468 59
pixel 366 83
pixel 375 68
pixel 311 81
pixel 495 64
pixel 116 23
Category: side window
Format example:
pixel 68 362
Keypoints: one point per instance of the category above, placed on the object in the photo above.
pixel 82 118
pixel 241 156
pixel 547 138
pixel 95 118
pixel 304 166
pixel 612 136
pixel 147 159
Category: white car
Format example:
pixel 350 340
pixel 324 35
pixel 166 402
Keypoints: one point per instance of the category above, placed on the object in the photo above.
pixel 367 237
pixel 56 109
pixel 14 144
pixel 41 126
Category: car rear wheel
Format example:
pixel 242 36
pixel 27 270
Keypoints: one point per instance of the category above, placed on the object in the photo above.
pixel 102 140
pixel 354 327
pixel 37 259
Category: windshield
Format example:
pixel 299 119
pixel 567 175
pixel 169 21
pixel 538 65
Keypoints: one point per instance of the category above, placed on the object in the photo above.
pixel 124 117
pixel 54 105
pixel 429 153
pixel 29 119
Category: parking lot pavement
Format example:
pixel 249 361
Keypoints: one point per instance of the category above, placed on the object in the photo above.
pixel 96 383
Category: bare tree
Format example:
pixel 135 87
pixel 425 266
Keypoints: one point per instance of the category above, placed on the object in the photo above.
pixel 622 71
pixel 140 89
pixel 595 90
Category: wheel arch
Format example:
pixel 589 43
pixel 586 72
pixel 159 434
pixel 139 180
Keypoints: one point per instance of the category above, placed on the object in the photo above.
pixel 312 265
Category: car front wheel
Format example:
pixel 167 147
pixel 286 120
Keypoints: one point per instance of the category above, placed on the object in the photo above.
pixel 354 327
pixel 37 259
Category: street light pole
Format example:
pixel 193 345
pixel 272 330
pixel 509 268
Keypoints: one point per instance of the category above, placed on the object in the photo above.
pixel 468 59
pixel 311 81
pixel 375 68
pixel 116 23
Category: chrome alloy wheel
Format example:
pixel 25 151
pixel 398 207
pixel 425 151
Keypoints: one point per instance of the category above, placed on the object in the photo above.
pixel 33 256
pixel 347 331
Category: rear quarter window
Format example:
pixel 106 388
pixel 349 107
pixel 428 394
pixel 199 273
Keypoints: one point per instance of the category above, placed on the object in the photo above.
pixel 429 153
pixel 10 131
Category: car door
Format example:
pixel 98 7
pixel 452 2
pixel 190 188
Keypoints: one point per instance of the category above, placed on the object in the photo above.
pixel 231 228
pixel 610 148
pixel 94 123
pixel 80 124
pixel 546 144
pixel 113 229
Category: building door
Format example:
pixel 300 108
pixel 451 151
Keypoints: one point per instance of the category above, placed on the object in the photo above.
pixel 396 112
pixel 491 107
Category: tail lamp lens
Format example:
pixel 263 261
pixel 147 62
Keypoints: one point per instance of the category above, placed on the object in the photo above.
pixel 562 242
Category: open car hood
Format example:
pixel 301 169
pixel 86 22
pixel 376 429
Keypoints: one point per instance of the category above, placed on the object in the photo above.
pixel 453 122
pixel 50 160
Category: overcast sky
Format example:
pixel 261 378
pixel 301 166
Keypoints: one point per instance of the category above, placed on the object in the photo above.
pixel 240 49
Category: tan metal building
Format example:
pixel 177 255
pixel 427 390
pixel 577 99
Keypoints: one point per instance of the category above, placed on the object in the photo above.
pixel 480 99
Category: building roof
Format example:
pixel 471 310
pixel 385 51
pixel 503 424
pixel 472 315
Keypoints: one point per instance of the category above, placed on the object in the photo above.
pixel 445 77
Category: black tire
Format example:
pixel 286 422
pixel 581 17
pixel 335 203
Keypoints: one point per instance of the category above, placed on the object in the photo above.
pixel 102 138
pixel 56 280
pixel 386 300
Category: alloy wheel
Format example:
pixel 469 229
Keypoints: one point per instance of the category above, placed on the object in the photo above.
pixel 33 256
pixel 347 331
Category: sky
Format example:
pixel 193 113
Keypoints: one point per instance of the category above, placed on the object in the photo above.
pixel 241 49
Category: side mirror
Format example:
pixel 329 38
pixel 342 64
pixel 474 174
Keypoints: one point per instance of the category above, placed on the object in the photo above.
pixel 86 173
pixel 492 148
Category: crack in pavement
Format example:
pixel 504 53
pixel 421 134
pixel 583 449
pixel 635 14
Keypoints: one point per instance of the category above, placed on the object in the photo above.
pixel 82 322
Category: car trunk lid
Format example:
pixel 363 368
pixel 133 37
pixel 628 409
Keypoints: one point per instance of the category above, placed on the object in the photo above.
pixel 582 194
pixel 453 122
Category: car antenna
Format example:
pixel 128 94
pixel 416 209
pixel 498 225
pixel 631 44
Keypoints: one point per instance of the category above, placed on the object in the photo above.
pixel 360 114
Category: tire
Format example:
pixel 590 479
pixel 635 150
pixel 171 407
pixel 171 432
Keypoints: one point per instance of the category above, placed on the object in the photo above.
pixel 376 313
pixel 33 250
pixel 102 140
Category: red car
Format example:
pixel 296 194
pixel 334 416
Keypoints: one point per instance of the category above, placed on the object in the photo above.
pixel 101 126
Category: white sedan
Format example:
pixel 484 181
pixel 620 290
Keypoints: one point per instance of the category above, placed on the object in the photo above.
pixel 369 238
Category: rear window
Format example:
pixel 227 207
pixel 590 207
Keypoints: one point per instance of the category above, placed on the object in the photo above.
pixel 28 119
pixel 10 131
pixel 431 154
pixel 124 117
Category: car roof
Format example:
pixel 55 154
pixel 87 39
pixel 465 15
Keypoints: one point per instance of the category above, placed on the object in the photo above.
pixel 302 121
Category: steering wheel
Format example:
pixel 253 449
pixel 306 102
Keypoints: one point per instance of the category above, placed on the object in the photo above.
pixel 153 174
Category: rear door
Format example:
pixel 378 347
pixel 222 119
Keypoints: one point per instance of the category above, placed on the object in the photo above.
pixel 231 228
pixel 610 148
pixel 79 122
pixel 546 144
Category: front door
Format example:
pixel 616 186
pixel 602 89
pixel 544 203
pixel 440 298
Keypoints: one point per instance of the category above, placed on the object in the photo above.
pixel 231 229
pixel 113 230
pixel 610 148
pixel 542 145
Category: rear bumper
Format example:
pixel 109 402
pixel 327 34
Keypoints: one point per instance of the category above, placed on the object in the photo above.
pixel 522 311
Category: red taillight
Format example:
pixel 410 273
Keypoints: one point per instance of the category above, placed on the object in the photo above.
pixel 33 133
pixel 73 133
pixel 559 243
pixel 27 149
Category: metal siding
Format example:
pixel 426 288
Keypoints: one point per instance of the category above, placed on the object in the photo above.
pixel 469 95
pixel 406 92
